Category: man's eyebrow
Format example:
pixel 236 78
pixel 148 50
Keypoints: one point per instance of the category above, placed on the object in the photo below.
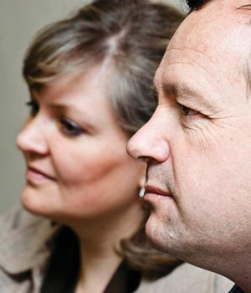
pixel 170 90
pixel 183 92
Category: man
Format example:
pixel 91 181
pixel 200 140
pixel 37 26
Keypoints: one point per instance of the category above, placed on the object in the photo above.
pixel 197 145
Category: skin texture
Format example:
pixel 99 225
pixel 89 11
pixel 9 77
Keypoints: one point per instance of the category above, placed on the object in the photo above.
pixel 197 145
pixel 89 182
pixel 92 175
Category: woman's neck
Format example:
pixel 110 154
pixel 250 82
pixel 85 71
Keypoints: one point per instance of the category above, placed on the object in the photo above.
pixel 96 269
pixel 98 243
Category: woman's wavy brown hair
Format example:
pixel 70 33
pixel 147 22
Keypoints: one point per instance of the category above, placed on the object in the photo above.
pixel 131 35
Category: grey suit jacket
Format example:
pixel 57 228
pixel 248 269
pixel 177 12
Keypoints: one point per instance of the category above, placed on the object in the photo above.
pixel 24 252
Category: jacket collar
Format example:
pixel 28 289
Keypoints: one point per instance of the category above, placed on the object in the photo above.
pixel 27 247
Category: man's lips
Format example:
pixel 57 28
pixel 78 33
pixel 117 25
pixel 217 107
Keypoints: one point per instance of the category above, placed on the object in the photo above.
pixel 156 190
pixel 36 174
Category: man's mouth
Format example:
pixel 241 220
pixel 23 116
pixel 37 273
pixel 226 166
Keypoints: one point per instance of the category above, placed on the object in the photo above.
pixel 149 189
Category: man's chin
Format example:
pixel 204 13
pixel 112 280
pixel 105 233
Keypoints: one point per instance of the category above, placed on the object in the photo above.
pixel 154 234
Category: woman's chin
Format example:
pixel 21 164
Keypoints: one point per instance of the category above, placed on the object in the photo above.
pixel 31 201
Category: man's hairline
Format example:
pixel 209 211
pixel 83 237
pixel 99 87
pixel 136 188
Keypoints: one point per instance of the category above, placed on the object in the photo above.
pixel 247 67
pixel 204 2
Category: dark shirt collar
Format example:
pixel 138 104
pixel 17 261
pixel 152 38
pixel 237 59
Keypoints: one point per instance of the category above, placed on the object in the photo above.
pixel 125 280
pixel 236 289
pixel 64 266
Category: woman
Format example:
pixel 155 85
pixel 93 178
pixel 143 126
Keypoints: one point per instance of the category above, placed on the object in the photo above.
pixel 90 80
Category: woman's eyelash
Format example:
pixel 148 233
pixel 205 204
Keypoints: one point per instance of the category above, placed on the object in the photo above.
pixel 67 126
pixel 34 107
pixel 70 128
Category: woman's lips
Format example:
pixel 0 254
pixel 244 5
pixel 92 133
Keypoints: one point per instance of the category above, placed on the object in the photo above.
pixel 34 174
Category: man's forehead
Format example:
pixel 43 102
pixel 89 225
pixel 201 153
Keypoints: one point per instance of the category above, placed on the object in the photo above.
pixel 216 18
pixel 198 4
pixel 219 5
pixel 214 40
pixel 221 31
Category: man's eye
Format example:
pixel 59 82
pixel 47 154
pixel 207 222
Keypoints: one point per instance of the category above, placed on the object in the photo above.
pixel 187 111
pixel 34 107
pixel 70 128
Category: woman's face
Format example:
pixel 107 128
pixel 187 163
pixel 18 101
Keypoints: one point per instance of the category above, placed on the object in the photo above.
pixel 77 165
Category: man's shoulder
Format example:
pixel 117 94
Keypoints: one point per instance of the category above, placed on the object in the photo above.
pixel 188 278
pixel 198 280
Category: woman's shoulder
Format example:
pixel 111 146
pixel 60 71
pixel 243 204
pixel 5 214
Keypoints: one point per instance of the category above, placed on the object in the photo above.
pixel 187 278
pixel 16 218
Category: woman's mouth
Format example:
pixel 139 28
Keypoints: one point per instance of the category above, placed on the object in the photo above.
pixel 35 174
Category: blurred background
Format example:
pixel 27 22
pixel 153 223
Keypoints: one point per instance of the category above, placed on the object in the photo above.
pixel 19 21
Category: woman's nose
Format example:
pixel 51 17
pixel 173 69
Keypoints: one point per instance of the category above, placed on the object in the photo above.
pixel 148 144
pixel 31 139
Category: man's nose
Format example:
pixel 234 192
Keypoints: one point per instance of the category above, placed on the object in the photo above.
pixel 31 139
pixel 148 144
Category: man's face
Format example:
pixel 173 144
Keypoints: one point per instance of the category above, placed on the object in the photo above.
pixel 198 143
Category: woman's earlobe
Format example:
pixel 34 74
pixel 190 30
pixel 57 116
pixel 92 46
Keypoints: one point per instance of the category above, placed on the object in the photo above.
pixel 142 192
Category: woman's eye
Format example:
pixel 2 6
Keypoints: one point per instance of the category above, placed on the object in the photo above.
pixel 187 111
pixel 34 107
pixel 70 128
